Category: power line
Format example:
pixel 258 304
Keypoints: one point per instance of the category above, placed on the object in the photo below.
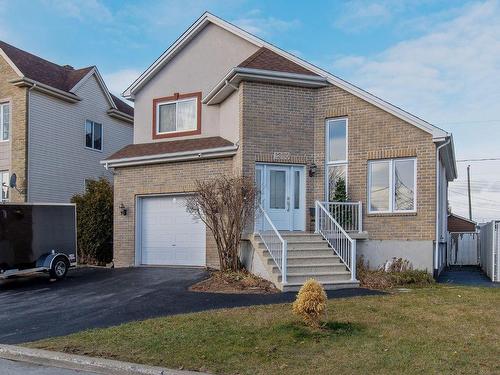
pixel 480 198
pixel 483 159
pixel 467 122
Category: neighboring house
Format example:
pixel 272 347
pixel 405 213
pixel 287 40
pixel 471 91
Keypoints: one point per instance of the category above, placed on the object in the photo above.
pixel 459 224
pixel 56 124
pixel 463 241
pixel 222 101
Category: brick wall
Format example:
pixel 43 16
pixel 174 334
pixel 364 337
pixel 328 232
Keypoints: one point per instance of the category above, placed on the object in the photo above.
pixel 165 178
pixel 17 97
pixel 376 134
pixel 277 120
pixel 291 120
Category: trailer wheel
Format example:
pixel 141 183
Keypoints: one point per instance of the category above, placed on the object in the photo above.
pixel 59 268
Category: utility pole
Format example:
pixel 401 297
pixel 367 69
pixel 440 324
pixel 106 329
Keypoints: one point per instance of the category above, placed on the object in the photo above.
pixel 468 189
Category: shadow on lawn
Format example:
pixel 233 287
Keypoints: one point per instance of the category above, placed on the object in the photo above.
pixel 329 329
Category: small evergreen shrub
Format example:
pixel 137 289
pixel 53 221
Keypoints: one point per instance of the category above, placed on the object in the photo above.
pixel 310 304
pixel 94 211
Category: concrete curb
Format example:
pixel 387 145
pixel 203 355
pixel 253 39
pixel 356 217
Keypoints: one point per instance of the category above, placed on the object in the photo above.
pixel 83 363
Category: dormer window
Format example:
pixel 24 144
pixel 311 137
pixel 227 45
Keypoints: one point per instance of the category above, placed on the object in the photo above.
pixel 177 115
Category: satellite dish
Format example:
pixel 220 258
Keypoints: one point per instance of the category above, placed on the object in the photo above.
pixel 13 181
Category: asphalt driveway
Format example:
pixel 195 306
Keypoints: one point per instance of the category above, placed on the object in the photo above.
pixel 35 308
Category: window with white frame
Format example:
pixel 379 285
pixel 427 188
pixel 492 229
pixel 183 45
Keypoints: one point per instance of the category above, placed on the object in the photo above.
pixel 93 135
pixel 4 175
pixel 177 115
pixel 336 153
pixel 392 185
pixel 4 121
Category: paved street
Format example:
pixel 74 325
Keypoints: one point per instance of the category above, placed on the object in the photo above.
pixel 21 368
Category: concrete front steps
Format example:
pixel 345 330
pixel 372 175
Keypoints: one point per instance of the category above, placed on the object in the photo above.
pixel 309 256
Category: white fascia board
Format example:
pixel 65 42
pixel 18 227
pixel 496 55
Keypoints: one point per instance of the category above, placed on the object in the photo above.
pixel 231 81
pixel 95 71
pixel 208 17
pixel 80 82
pixel 63 95
pixel 120 115
pixel 448 156
pixel 174 156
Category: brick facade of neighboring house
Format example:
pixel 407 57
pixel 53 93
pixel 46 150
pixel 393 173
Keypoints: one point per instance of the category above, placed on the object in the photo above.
pixel 15 149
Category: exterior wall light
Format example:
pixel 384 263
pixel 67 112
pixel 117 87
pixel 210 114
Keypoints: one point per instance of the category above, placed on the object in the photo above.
pixel 313 168
pixel 123 210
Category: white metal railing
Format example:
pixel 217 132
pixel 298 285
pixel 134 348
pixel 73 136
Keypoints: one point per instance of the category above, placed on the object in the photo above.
pixel 272 239
pixel 343 245
pixel 348 214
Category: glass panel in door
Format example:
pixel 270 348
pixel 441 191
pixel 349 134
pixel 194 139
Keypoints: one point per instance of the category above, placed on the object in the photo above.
pixel 277 196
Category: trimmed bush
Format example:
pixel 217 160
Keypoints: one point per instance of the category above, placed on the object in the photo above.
pixel 94 211
pixel 310 304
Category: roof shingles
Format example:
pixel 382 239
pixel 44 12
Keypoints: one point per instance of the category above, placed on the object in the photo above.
pixel 169 147
pixel 63 78
pixel 268 60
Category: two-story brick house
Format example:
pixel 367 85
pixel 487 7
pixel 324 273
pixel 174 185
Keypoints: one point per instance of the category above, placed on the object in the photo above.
pixel 56 124
pixel 222 101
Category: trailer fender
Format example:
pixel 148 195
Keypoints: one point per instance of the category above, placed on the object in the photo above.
pixel 46 260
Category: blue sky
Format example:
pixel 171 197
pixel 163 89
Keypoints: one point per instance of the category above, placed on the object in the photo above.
pixel 439 60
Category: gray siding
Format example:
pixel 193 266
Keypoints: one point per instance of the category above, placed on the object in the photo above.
pixel 58 162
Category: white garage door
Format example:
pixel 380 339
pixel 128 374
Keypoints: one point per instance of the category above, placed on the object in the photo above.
pixel 169 235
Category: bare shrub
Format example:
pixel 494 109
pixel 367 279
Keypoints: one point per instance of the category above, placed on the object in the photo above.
pixel 396 273
pixel 310 304
pixel 226 205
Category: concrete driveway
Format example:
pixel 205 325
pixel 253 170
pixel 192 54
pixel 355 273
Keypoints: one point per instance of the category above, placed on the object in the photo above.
pixel 35 308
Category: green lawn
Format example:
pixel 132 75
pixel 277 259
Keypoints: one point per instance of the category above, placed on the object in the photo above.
pixel 438 330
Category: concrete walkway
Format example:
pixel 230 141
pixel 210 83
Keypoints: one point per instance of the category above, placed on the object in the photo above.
pixel 466 275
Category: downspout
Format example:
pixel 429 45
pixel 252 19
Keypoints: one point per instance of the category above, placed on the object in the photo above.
pixel 438 191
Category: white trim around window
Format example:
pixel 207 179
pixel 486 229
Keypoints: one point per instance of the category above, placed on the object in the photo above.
pixel 5 121
pixel 339 162
pixel 194 124
pixel 95 146
pixel 391 198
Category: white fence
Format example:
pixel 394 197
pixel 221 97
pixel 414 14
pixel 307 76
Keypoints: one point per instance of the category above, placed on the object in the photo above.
pixel 489 246
pixel 463 249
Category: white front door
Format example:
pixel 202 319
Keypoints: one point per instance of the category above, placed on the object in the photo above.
pixel 282 190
